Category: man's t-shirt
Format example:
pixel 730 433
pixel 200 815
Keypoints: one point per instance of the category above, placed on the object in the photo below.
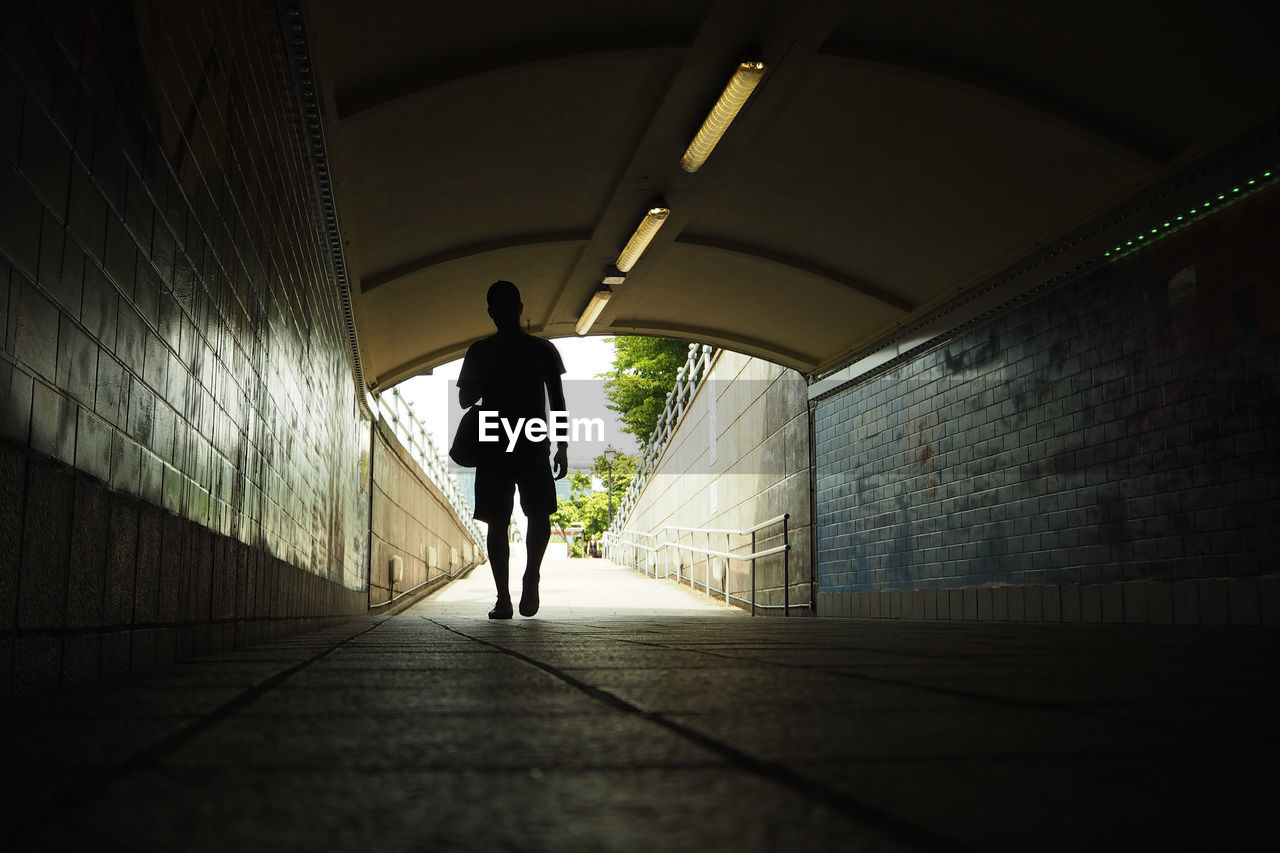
pixel 511 371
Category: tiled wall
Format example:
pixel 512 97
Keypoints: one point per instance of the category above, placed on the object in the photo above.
pixel 168 324
pixel 1123 429
pixel 410 518
pixel 758 470
pixel 100 583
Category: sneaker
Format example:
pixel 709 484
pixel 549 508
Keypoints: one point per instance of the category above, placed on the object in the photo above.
pixel 502 610
pixel 529 602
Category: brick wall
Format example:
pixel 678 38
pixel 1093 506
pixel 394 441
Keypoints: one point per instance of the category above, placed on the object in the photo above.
pixel 1115 444
pixel 170 335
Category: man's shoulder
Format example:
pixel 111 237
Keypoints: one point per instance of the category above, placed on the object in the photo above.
pixel 541 343
pixel 485 348
pixel 543 347
pixel 528 338
pixel 482 344
pixel 527 343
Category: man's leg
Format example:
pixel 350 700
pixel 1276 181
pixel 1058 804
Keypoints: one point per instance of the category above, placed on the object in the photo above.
pixel 536 544
pixel 500 563
pixel 495 490
pixel 538 499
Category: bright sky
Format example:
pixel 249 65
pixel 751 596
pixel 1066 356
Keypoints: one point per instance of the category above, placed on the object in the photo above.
pixel 584 358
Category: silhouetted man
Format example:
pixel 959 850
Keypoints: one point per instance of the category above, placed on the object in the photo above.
pixel 513 373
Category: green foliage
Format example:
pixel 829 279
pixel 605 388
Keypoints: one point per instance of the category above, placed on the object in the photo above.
pixel 589 506
pixel 579 485
pixel 624 468
pixel 595 513
pixel 644 370
pixel 566 513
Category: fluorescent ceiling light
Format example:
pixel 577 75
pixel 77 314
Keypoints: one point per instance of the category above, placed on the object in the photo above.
pixel 599 300
pixel 640 240
pixel 741 85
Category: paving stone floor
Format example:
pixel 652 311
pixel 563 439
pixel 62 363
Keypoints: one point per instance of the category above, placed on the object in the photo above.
pixel 631 715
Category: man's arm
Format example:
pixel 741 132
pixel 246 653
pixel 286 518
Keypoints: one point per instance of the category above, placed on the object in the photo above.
pixel 468 393
pixel 555 396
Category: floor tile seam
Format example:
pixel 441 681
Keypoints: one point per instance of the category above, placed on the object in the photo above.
pixel 896 682
pixel 179 771
pixel 401 651
pixel 72 718
pixel 1014 759
pixel 452 768
pixel 417 676
pixel 828 758
pixel 1071 709
pixel 414 643
pixel 825 670
pixel 745 663
pixel 492 662
pixel 775 773
pixel 443 686
pixel 242 661
pixel 95 785
pixel 1216 740
pixel 418 684
pixel 774 648
pixel 420 714
pixel 189 685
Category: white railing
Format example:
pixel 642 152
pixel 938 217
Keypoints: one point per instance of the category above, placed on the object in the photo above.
pixel 667 544
pixel 412 433
pixel 688 379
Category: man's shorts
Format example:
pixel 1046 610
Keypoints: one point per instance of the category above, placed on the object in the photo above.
pixel 496 485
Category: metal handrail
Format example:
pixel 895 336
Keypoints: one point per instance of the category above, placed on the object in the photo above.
pixel 614 543
pixel 652 549
pixel 777 519
pixel 729 555
pixel 412 433
pixel 446 576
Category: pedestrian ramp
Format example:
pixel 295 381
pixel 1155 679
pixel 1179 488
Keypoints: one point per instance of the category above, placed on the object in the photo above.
pixel 575 589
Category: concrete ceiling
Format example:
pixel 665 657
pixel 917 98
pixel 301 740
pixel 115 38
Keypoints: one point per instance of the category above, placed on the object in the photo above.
pixel 894 155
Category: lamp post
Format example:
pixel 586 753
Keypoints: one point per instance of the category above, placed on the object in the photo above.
pixel 609 454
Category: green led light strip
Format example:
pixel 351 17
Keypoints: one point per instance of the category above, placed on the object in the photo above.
pixel 1195 214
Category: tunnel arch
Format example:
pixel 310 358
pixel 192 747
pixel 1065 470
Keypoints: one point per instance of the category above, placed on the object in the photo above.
pixel 886 166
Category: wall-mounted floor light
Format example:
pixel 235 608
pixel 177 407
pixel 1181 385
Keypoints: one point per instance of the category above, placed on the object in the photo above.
pixel 599 300
pixel 741 85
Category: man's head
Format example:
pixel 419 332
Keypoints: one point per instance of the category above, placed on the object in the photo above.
pixel 505 305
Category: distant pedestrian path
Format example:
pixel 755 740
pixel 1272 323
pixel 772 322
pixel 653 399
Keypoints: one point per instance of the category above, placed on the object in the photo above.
pixel 575 589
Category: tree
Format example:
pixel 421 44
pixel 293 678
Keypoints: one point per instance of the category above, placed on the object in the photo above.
pixel 624 468
pixel 566 513
pixel 590 506
pixel 644 370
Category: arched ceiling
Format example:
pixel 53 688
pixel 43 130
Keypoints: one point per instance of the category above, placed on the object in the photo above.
pixel 893 155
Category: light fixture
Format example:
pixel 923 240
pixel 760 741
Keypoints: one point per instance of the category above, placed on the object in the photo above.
pixel 599 300
pixel 640 240
pixel 741 85
pixel 613 276
pixel 1195 214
